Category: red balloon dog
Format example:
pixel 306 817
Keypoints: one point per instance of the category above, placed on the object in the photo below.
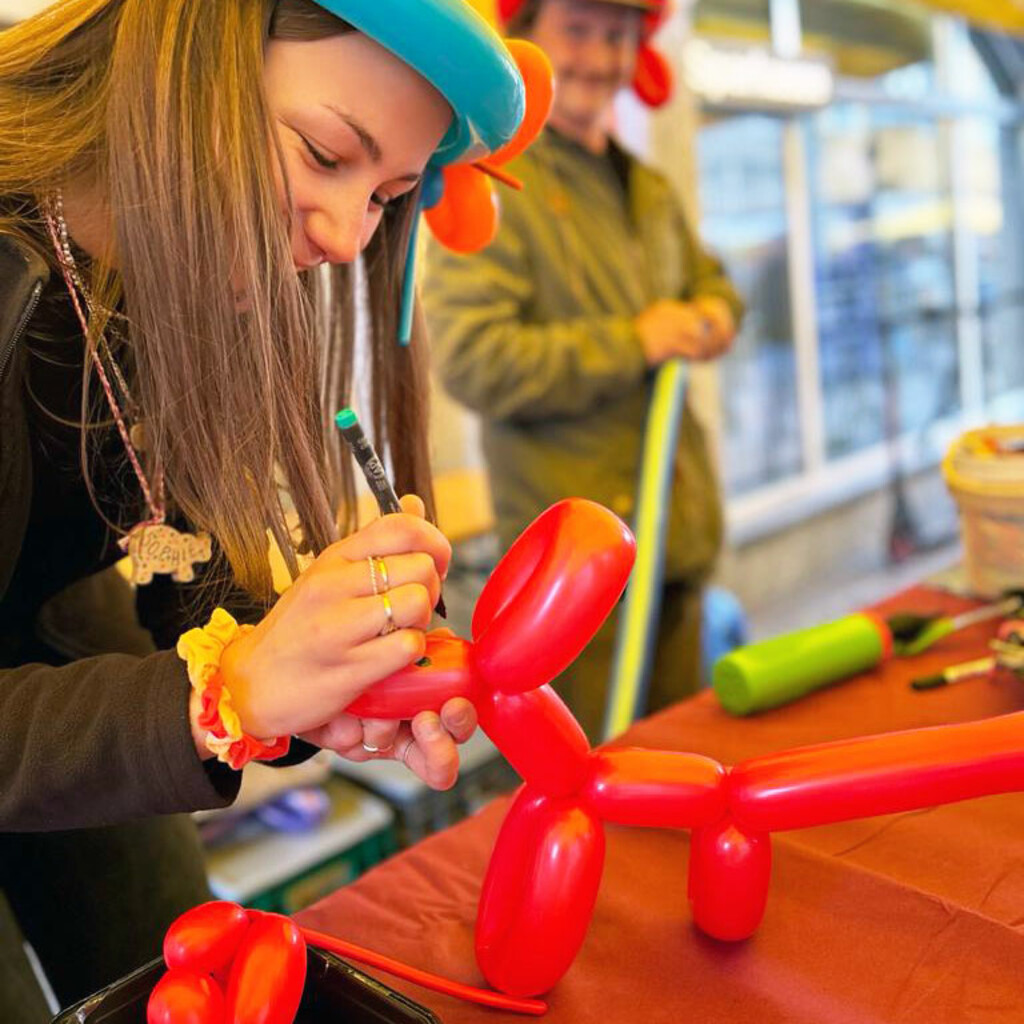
pixel 544 601
pixel 541 606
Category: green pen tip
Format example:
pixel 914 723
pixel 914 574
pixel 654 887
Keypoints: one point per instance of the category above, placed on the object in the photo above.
pixel 345 419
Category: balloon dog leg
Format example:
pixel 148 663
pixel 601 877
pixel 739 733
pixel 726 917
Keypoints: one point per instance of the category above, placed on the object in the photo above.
pixel 729 874
pixel 730 860
pixel 539 893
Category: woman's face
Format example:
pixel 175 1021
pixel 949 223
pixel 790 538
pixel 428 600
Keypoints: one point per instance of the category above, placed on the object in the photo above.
pixel 357 127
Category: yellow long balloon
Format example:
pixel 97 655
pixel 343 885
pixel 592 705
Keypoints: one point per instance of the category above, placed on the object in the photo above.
pixel 637 629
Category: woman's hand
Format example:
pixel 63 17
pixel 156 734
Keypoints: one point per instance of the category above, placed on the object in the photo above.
pixel 330 637
pixel 426 745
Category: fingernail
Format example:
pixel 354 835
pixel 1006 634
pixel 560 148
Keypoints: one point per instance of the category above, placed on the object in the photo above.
pixel 459 719
pixel 431 727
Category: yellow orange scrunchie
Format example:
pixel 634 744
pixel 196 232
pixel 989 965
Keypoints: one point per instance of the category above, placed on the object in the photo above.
pixel 201 650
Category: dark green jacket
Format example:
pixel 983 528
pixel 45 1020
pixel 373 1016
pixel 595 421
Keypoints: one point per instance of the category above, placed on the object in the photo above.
pixel 536 335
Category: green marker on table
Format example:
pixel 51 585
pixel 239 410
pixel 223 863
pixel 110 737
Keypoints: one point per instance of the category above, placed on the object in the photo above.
pixel 373 471
pixel 776 671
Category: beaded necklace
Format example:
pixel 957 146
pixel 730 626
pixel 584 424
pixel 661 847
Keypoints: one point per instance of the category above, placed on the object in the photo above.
pixel 152 545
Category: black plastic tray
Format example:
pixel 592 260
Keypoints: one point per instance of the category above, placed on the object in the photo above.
pixel 335 993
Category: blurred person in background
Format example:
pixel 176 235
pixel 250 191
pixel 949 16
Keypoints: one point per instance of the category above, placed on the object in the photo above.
pixel 553 333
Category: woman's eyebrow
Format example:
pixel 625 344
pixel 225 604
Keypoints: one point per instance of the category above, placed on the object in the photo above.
pixel 368 142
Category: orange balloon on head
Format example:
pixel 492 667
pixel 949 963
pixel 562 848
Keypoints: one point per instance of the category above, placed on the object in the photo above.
pixel 538 79
pixel 466 218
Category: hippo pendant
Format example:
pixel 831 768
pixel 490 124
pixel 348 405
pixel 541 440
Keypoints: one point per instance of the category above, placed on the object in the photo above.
pixel 163 549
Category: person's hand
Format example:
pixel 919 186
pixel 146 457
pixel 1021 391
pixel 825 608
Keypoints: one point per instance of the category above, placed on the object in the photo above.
pixel 719 320
pixel 696 331
pixel 427 745
pixel 330 637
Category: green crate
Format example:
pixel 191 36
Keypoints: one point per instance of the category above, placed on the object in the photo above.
pixel 284 872
pixel 420 810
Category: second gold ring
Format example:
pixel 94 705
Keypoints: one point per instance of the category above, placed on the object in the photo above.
pixel 389 616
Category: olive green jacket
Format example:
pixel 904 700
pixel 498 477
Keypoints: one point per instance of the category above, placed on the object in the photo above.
pixel 536 334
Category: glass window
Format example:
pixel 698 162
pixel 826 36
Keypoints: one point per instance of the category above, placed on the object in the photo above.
pixel 994 218
pixel 744 220
pixel 884 274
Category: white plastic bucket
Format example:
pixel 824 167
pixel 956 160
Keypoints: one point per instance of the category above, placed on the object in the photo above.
pixel 984 470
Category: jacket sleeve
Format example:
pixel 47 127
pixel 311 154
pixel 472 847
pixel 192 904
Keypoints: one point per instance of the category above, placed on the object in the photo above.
pixel 708 274
pixel 100 741
pixel 490 357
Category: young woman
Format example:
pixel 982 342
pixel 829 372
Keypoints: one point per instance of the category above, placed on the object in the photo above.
pixel 186 187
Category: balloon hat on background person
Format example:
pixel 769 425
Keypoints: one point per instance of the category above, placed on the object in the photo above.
pixel 500 95
pixel 652 79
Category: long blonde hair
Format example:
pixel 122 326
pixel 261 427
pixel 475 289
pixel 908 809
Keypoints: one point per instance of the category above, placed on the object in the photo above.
pixel 160 103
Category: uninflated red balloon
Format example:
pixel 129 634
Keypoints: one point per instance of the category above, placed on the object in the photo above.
pixel 185 997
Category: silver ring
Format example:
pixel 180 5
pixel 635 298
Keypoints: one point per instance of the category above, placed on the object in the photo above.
pixel 373 574
pixel 382 571
pixel 370 749
pixel 389 615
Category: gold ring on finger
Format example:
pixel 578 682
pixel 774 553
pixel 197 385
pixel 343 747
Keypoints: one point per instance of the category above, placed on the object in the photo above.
pixel 373 574
pixel 389 616
pixel 382 574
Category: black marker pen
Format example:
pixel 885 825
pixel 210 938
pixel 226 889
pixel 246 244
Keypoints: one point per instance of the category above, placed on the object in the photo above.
pixel 374 472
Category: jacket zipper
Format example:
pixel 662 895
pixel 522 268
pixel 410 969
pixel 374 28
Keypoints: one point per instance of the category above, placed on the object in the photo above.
pixel 19 330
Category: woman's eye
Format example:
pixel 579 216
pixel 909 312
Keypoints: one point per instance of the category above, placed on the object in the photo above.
pixel 319 157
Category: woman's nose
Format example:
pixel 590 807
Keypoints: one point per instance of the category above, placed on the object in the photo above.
pixel 339 231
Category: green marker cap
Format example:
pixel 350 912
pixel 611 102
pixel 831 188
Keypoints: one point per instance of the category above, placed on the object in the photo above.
pixel 346 418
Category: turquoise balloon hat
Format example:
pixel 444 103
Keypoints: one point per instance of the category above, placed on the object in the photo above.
pixel 456 50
